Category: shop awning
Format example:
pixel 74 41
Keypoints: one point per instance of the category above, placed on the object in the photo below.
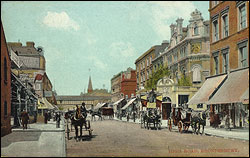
pixel 99 105
pixel 144 97
pixel 232 89
pixel 159 97
pixel 117 102
pixel 245 97
pixel 208 87
pixel 44 104
pixel 129 103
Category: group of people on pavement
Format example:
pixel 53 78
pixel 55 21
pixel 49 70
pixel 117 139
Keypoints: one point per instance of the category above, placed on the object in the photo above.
pixel 47 116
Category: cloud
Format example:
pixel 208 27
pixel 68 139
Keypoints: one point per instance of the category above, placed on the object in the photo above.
pixel 98 63
pixel 165 13
pixel 60 20
pixel 121 49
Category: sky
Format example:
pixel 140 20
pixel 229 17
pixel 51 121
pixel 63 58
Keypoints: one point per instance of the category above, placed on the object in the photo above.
pixel 92 38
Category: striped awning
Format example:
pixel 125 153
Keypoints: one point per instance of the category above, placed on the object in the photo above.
pixel 129 103
pixel 44 104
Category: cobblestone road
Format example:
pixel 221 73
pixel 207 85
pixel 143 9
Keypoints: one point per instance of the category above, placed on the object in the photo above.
pixel 115 138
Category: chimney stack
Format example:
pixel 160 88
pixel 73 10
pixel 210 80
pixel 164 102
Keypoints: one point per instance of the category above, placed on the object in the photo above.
pixel 172 27
pixel 30 44
pixel 179 22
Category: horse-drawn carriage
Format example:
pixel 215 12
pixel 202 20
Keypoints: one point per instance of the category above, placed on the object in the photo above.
pixel 152 114
pixel 183 118
pixel 179 117
pixel 77 121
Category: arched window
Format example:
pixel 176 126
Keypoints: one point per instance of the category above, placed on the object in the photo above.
pixel 196 74
pixel 5 70
pixel 195 29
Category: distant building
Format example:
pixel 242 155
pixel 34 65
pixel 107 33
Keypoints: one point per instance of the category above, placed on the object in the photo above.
pixel 32 65
pixel 123 85
pixel 144 65
pixel 5 87
pixel 90 88
pixel 70 102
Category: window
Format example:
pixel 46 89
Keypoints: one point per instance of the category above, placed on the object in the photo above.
pixel 243 53
pixel 242 16
pixel 214 3
pixel 196 74
pixel 195 29
pixel 215 31
pixel 216 65
pixel 225 61
pixel 225 25
pixel 5 69
pixel 5 108
pixel 175 56
pixel 243 56
pixel 199 105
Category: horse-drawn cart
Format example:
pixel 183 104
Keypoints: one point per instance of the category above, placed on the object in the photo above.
pixel 77 122
pixel 180 118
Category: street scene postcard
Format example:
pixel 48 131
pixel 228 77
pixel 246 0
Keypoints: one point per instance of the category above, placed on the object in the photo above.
pixel 124 78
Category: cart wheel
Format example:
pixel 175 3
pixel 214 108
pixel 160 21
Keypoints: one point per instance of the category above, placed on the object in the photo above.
pixel 169 125
pixel 180 126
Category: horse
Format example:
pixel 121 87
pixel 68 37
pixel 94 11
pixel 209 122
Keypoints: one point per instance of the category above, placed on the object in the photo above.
pixel 197 121
pixel 94 113
pixel 154 118
pixel 106 111
pixel 78 122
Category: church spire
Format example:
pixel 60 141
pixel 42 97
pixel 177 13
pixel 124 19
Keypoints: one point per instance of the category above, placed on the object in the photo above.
pixel 90 89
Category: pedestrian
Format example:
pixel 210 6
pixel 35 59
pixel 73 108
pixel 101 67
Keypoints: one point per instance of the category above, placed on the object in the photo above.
pixel 25 119
pixel 127 116
pixel 58 119
pixel 46 117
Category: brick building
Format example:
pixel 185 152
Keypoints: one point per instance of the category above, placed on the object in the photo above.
pixel 5 87
pixel 123 85
pixel 128 83
pixel 144 64
pixel 229 35
pixel 225 91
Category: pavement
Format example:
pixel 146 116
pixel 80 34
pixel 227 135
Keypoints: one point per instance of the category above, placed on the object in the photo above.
pixel 39 140
pixel 239 133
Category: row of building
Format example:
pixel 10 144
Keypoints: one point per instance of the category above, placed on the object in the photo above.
pixel 25 84
pixel 211 55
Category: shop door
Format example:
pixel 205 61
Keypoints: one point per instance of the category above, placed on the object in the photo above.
pixel 166 110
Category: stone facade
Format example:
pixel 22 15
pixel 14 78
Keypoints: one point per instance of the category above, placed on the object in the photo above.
pixel 116 87
pixel 187 55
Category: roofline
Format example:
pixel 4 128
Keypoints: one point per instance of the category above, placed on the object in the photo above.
pixel 146 53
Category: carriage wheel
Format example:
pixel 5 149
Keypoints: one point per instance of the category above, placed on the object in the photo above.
pixel 180 126
pixel 169 125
